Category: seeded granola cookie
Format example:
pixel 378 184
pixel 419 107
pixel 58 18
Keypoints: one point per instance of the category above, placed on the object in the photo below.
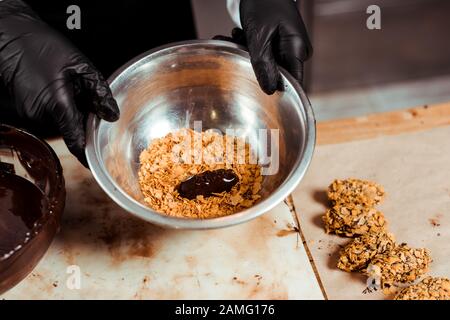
pixel 355 191
pixel 357 254
pixel 353 220
pixel 428 289
pixel 398 266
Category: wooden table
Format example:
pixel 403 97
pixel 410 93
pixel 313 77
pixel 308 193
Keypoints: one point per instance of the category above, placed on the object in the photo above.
pixel 386 123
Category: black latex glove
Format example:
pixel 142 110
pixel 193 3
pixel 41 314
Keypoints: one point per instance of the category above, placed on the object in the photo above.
pixel 275 33
pixel 48 78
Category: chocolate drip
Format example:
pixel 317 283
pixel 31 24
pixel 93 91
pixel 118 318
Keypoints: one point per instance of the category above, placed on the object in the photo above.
pixel 208 183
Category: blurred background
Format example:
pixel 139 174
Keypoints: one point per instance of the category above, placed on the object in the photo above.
pixel 356 71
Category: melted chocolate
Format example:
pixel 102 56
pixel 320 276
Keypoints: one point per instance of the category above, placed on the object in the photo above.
pixel 208 183
pixel 21 206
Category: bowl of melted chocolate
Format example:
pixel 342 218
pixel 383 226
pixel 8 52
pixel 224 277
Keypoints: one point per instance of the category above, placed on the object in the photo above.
pixel 32 198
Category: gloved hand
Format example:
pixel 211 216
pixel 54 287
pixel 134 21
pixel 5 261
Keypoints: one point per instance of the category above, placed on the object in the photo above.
pixel 275 33
pixel 48 78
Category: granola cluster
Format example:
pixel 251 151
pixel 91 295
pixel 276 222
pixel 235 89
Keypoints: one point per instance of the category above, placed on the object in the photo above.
pixel 358 253
pixel 373 251
pixel 428 289
pixel 400 265
pixel 352 213
pixel 353 220
pixel 352 191
pixel 178 156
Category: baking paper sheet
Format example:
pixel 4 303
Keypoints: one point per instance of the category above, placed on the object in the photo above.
pixel 414 169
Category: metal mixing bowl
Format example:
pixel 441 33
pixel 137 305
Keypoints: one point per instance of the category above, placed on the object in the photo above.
pixel 212 81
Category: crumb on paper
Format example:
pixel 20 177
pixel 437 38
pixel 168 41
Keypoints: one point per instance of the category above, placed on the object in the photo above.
pixel 167 162
pixel 428 289
pixel 401 265
pixel 357 254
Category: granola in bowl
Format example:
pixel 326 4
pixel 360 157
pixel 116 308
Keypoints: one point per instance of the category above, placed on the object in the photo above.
pixel 184 154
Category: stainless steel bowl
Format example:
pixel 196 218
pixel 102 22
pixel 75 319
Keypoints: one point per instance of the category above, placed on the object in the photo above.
pixel 212 81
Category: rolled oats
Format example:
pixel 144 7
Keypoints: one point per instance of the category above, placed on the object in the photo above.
pixel 357 254
pixel 428 289
pixel 170 160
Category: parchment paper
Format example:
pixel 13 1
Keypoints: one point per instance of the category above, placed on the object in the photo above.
pixel 121 257
pixel 415 171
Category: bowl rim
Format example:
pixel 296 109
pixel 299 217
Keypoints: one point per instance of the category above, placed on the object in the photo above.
pixel 137 209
